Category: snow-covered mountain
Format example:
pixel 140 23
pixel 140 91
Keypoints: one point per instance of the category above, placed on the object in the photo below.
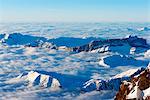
pixel 132 84
pixel 131 41
pixel 138 87
pixel 112 83
pixel 126 45
pixel 87 61
pixel 35 78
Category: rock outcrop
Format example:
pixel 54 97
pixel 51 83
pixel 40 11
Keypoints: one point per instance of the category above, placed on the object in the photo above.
pixel 138 87
pixel 96 45
pixel 132 84
pixel 111 84
pixel 132 41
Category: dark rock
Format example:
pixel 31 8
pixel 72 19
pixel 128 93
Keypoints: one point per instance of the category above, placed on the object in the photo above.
pixel 133 41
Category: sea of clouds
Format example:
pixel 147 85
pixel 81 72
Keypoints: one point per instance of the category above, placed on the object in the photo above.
pixel 74 68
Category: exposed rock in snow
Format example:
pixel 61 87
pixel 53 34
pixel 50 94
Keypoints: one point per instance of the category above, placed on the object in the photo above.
pixel 42 44
pixel 122 46
pixel 132 84
pixel 17 39
pixel 146 93
pixel 63 43
pixel 140 87
pixel 126 73
pixel 35 78
pixel 111 84
pixel 101 50
pixel 135 93
pixel 133 41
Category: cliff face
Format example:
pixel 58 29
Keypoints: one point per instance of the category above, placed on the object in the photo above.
pixel 132 41
pixel 113 83
pixel 133 84
pixel 136 88
pixel 96 45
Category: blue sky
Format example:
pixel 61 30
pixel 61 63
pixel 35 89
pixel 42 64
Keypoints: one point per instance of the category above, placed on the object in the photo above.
pixel 75 10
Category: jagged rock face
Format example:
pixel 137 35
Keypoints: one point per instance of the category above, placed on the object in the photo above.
pixel 137 89
pixel 111 84
pixel 132 41
pixel 124 91
pixel 41 44
pixel 100 46
pixel 103 49
pixel 132 84
pixel 144 80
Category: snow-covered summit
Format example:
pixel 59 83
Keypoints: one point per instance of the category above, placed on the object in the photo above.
pixel 35 78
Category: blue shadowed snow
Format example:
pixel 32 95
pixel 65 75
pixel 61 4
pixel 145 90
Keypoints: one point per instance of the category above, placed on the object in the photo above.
pixel 72 42
pixel 37 50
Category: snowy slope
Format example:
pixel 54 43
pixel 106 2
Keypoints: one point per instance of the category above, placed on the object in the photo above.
pixel 39 53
